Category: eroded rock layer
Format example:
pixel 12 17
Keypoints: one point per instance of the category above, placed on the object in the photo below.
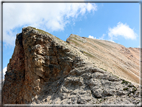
pixel 112 57
pixel 47 70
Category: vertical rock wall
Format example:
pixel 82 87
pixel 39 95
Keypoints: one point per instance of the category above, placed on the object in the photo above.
pixel 39 58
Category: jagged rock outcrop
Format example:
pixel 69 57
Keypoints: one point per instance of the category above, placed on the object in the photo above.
pixel 47 70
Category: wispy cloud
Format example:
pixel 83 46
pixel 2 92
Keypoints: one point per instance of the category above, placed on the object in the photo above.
pixel 46 16
pixel 122 30
pixel 102 37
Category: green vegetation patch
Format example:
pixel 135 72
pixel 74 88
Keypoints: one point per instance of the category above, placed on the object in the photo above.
pixel 125 82
pixel 42 32
pixel 93 46
pixel 103 69
pixel 88 54
pixel 134 89
pixel 75 42
pixel 77 38
pixel 125 89
pixel 102 44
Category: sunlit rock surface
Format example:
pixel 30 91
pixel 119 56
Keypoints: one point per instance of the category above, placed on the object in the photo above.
pixel 46 70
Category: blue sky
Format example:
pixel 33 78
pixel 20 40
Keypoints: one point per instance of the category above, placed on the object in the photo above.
pixel 116 22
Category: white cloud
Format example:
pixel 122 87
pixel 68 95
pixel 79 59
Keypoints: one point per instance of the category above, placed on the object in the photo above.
pixel 91 7
pixel 122 30
pixel 92 37
pixel 101 38
pixel 46 16
pixel 111 40
pixel 4 71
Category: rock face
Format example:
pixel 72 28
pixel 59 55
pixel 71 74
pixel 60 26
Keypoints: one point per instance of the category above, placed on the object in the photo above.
pixel 47 70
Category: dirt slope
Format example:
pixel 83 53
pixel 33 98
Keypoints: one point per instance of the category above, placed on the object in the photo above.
pixel 110 56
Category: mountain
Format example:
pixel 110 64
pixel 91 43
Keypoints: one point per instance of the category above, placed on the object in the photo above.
pixel 46 70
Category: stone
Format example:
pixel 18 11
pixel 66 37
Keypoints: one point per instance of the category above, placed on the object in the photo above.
pixel 46 70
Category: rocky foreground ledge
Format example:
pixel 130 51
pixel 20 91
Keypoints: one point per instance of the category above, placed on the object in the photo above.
pixel 46 70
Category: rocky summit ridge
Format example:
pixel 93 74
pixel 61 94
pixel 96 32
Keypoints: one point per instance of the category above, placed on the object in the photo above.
pixel 46 70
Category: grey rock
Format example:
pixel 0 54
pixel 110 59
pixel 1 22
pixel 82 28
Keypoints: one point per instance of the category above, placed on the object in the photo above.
pixel 47 70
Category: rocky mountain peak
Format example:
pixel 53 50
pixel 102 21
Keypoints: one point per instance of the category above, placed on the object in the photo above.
pixel 46 70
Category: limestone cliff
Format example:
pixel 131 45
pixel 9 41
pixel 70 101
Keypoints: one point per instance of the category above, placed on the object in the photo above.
pixel 46 70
